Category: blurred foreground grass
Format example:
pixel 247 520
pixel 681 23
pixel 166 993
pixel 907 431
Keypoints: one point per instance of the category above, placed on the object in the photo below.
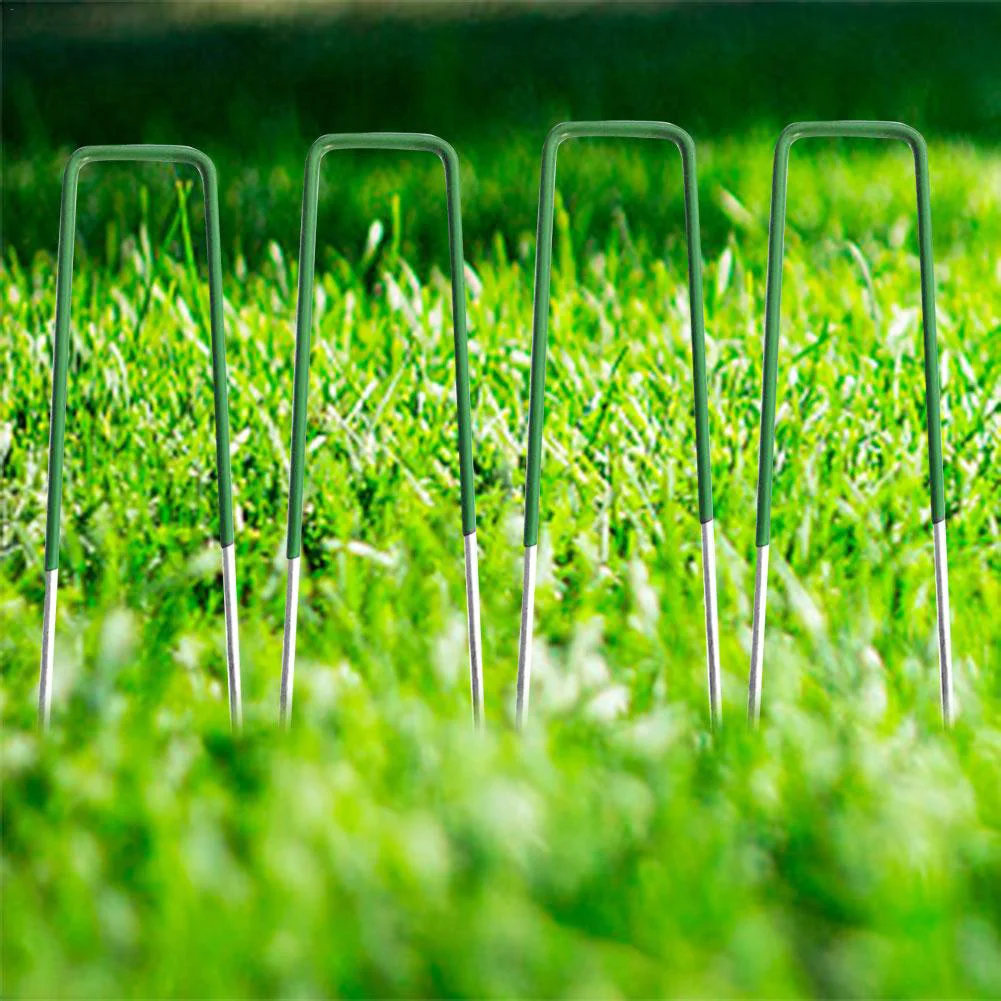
pixel 849 848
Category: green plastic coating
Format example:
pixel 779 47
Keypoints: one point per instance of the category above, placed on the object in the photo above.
pixel 543 269
pixel 773 301
pixel 64 285
pixel 402 141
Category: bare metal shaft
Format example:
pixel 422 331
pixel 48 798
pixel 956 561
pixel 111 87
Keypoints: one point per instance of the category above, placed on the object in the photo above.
pixel 232 635
pixel 942 616
pixel 525 644
pixel 48 648
pixel 712 624
pixel 473 625
pixel 288 641
pixel 758 636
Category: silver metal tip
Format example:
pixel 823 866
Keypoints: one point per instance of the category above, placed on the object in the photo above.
pixel 48 648
pixel 527 629
pixel 473 627
pixel 288 642
pixel 230 607
pixel 712 625
pixel 942 615
pixel 758 636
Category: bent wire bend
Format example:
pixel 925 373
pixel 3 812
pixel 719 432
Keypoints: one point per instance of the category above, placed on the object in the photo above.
pixel 404 142
pixel 543 266
pixel 773 303
pixel 64 282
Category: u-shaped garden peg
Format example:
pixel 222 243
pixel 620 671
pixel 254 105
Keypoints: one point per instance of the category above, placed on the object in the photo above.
pixel 543 266
pixel 401 141
pixel 57 431
pixel 773 306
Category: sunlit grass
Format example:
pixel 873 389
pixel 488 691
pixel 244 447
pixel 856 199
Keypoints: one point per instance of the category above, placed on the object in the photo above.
pixel 849 848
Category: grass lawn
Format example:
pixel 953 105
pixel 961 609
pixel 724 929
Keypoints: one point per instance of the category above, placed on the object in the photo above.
pixel 849 847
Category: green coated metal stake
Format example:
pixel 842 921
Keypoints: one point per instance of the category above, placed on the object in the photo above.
pixel 543 266
pixel 57 430
pixel 773 305
pixel 399 141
